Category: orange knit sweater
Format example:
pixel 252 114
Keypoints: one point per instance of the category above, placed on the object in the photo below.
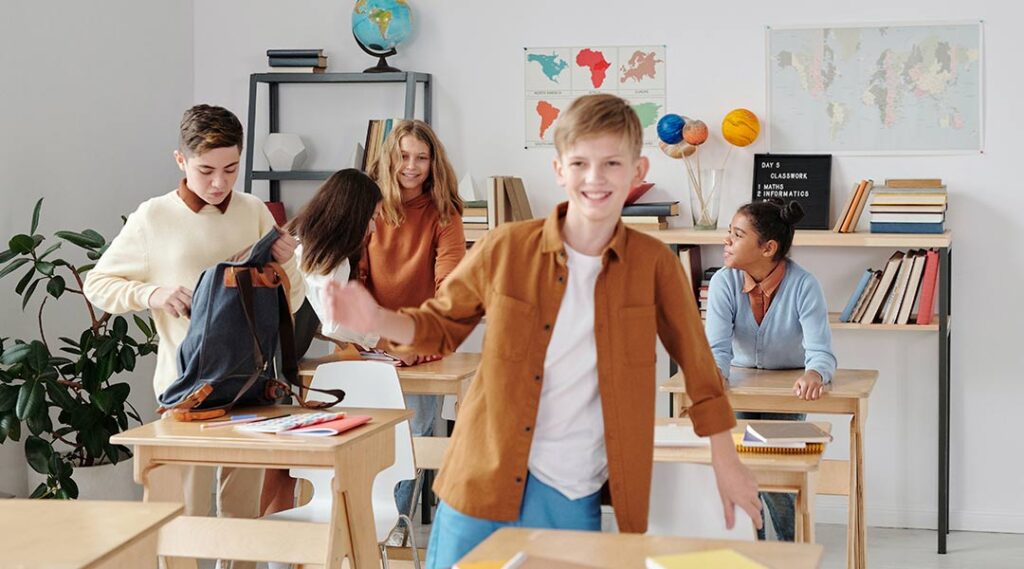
pixel 403 266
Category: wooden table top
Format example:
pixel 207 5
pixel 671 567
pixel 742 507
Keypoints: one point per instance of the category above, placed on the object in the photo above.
pixel 622 550
pixel 170 433
pixel 453 367
pixel 846 383
pixel 755 461
pixel 73 534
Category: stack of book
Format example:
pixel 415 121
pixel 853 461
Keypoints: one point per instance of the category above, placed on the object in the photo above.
pixel 902 292
pixel 783 437
pixel 909 206
pixel 848 218
pixel 474 214
pixel 702 295
pixel 506 196
pixel 689 256
pixel 377 131
pixel 297 60
pixel 652 215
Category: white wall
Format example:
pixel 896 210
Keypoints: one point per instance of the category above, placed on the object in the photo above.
pixel 92 94
pixel 716 62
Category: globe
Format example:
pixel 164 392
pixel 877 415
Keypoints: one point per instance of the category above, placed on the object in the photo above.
pixel 379 26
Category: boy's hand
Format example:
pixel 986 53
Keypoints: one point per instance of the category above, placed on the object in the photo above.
pixel 736 485
pixel 809 386
pixel 351 306
pixel 174 300
pixel 284 248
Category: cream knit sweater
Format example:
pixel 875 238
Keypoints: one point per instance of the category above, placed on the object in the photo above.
pixel 164 243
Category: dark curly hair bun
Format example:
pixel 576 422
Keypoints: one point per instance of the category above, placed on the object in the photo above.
pixel 792 213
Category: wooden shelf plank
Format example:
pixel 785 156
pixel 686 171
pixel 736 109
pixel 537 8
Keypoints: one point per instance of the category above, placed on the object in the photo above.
pixel 285 77
pixel 833 319
pixel 292 175
pixel 811 238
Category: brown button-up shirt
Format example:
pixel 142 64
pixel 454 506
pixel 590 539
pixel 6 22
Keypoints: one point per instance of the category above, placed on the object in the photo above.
pixel 516 275
pixel 196 203
pixel 761 293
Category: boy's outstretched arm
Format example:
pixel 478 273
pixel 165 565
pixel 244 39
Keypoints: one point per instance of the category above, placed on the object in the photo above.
pixel 352 306
pixel 736 484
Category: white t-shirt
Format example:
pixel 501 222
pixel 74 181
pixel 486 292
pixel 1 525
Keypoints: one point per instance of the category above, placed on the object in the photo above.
pixel 315 286
pixel 568 450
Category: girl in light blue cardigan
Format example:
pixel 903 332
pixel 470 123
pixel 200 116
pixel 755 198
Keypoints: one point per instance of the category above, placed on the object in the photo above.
pixel 765 311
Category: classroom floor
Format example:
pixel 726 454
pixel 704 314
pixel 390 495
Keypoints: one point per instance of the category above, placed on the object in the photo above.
pixel 898 549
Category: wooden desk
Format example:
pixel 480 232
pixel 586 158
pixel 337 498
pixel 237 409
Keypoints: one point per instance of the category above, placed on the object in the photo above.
pixel 772 390
pixel 65 534
pixel 356 458
pixel 620 550
pixel 451 375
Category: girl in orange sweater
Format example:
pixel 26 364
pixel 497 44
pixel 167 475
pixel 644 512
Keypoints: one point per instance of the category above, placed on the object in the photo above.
pixel 418 241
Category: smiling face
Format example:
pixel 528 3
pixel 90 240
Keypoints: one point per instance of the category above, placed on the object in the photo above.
pixel 743 249
pixel 212 174
pixel 415 166
pixel 597 173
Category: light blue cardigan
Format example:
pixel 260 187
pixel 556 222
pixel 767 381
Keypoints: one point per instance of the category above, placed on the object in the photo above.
pixel 794 333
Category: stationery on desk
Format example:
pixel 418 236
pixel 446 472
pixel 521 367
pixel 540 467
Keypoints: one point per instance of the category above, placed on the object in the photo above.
pixel 290 421
pixel 330 428
pixel 783 437
pixel 717 558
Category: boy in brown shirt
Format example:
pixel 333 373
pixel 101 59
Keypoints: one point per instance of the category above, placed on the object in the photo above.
pixel 564 398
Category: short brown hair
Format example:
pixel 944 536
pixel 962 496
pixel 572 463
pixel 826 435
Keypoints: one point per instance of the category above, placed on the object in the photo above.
pixel 205 127
pixel 593 115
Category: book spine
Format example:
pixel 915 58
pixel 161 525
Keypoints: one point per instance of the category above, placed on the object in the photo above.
pixel 298 62
pixel 928 287
pixel 857 292
pixel 922 228
pixel 913 182
pixel 859 195
pixel 295 53
pixel 656 210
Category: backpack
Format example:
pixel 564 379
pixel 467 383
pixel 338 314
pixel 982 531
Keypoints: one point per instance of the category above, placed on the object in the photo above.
pixel 240 314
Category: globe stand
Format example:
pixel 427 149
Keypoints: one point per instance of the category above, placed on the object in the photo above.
pixel 382 65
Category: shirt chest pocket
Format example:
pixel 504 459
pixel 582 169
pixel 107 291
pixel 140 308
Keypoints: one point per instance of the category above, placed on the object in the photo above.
pixel 510 324
pixel 639 328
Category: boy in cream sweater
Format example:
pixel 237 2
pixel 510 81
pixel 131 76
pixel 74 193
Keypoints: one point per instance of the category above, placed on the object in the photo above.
pixel 156 260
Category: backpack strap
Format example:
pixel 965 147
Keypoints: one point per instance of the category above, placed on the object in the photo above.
pixel 289 361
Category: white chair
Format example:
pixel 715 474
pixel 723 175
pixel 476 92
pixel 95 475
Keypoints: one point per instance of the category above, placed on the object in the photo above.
pixel 366 384
pixel 685 503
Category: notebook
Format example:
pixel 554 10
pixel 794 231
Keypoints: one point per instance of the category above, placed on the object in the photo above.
pixel 330 428
pixel 717 558
pixel 786 432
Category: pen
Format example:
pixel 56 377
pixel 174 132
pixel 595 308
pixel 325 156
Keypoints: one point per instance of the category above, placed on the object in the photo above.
pixel 241 419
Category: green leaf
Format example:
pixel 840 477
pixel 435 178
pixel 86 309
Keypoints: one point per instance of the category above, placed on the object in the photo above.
pixel 127 357
pixel 29 292
pixel 56 286
pixel 143 327
pixel 45 267
pixel 94 236
pixel 13 266
pixel 93 439
pixel 40 423
pixel 10 425
pixel 25 280
pixel 59 395
pixel 39 356
pixel 104 400
pixel 52 248
pixel 30 397
pixel 93 255
pixel 40 491
pixel 120 392
pixel 22 244
pixel 81 239
pixel 8 397
pixel 35 215
pixel 70 488
pixel 15 354
pixel 7 256
pixel 104 347
pixel 120 327
pixel 84 268
pixel 38 453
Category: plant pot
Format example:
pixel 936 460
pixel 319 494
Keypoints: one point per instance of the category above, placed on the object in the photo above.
pixel 104 482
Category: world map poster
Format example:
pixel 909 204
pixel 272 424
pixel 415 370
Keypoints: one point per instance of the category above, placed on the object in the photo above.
pixel 875 89
pixel 554 76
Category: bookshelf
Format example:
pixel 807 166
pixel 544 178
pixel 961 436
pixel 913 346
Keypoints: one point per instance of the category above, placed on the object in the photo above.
pixel 409 79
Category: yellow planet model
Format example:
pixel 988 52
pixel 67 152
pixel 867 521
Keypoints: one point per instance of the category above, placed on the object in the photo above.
pixel 740 127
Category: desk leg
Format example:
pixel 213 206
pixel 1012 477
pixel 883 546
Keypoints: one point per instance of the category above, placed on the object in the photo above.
pixel 156 490
pixel 805 505
pixel 352 529
pixel 861 418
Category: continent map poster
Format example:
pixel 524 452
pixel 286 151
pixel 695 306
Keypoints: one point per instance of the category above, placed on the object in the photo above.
pixel 554 76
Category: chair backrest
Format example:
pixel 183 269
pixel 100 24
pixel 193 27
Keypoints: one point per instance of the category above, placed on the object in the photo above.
pixel 367 384
pixel 685 503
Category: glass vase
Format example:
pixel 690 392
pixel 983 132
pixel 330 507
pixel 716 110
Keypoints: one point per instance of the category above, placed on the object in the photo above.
pixel 705 196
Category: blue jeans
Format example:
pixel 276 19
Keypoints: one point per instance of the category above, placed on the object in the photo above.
pixel 454 534
pixel 421 425
pixel 781 506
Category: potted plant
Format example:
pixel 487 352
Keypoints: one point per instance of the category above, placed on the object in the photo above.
pixel 62 395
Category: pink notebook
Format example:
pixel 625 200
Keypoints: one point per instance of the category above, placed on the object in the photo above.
pixel 330 428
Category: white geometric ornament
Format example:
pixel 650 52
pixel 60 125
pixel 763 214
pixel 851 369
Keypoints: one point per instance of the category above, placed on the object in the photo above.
pixel 284 151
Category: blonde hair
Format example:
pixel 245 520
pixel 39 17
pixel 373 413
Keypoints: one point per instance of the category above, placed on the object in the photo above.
pixel 593 115
pixel 440 183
